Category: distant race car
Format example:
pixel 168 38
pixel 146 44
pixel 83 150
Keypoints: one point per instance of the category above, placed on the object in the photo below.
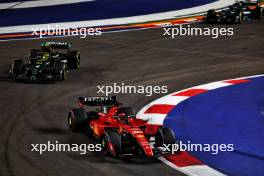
pixel 239 12
pixel 117 129
pixel 256 8
pixel 49 63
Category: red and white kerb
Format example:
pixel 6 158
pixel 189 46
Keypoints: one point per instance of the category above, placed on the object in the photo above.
pixel 156 111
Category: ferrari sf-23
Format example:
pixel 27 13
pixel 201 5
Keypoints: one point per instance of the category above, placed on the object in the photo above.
pixel 117 128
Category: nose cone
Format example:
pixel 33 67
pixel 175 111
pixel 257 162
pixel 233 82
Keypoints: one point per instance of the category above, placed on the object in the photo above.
pixel 144 144
pixel 148 151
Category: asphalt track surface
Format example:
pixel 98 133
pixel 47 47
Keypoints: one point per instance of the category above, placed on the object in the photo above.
pixel 36 113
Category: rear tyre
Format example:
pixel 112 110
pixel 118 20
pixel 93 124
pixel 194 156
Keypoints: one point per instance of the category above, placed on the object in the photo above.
pixel 77 119
pixel 74 60
pixel 111 143
pixel 239 18
pixel 165 136
pixel 261 13
pixel 62 71
pixel 17 67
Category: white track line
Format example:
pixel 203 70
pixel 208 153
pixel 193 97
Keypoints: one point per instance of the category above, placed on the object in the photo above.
pixel 39 3
pixel 120 21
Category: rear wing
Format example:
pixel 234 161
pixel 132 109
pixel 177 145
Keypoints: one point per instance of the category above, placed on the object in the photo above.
pixel 98 101
pixel 57 45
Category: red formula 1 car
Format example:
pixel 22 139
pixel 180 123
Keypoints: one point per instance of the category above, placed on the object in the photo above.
pixel 117 129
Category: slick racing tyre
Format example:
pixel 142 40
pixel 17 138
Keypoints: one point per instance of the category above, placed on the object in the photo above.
pixel 61 71
pixel 239 18
pixel 77 119
pixel 17 67
pixel 210 17
pixel 33 53
pixel 165 136
pixel 111 143
pixel 74 59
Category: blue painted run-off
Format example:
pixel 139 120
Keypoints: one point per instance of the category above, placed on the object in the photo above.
pixel 229 115
pixel 7 1
pixel 95 10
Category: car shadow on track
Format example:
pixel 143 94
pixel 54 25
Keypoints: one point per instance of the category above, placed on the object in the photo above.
pixel 51 130
pixel 99 157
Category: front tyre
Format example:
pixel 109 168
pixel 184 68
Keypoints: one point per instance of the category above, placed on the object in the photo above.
pixel 111 143
pixel 210 17
pixel 164 136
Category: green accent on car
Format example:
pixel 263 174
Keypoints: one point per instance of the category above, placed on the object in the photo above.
pixel 62 45
pixel 44 57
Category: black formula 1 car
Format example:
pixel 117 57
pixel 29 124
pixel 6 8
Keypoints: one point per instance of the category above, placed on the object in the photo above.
pixel 117 129
pixel 49 63
pixel 239 12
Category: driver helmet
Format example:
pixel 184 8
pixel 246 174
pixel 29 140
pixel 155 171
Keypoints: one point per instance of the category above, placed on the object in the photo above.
pixel 105 109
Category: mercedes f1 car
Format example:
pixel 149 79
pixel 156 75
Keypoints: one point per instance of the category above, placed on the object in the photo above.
pixel 117 129
pixel 239 12
pixel 49 63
